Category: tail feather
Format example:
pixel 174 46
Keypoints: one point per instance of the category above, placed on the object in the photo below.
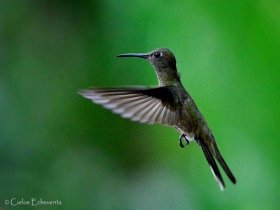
pixel 225 167
pixel 213 165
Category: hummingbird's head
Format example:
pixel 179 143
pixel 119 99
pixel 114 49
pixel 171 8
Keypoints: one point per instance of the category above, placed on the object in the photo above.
pixel 162 58
pixel 164 63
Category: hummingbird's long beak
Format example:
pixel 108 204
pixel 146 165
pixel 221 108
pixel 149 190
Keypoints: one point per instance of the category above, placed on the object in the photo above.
pixel 139 55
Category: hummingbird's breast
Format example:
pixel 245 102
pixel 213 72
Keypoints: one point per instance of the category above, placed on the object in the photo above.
pixel 191 119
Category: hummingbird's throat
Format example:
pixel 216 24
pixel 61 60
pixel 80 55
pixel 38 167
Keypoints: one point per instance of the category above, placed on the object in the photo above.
pixel 167 77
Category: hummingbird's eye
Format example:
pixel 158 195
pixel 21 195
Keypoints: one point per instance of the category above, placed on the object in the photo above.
pixel 157 54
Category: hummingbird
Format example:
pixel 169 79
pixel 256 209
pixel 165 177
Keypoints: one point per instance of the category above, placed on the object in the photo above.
pixel 168 104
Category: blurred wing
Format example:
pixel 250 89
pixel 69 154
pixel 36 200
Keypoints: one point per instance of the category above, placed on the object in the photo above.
pixel 143 104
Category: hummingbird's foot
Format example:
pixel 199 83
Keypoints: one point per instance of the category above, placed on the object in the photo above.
pixel 180 140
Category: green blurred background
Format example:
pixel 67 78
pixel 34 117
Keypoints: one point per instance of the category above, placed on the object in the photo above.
pixel 56 145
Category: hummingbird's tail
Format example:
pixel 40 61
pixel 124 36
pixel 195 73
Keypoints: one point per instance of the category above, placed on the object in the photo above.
pixel 213 165
pixel 222 162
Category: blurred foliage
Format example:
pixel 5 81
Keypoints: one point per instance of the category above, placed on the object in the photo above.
pixel 56 145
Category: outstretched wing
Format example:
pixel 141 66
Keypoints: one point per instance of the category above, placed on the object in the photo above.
pixel 143 104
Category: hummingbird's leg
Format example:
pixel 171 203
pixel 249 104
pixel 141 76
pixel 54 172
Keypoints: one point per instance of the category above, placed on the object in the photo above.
pixel 187 141
pixel 180 140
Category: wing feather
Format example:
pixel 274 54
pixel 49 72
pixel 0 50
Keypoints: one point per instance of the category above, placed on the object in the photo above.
pixel 146 105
